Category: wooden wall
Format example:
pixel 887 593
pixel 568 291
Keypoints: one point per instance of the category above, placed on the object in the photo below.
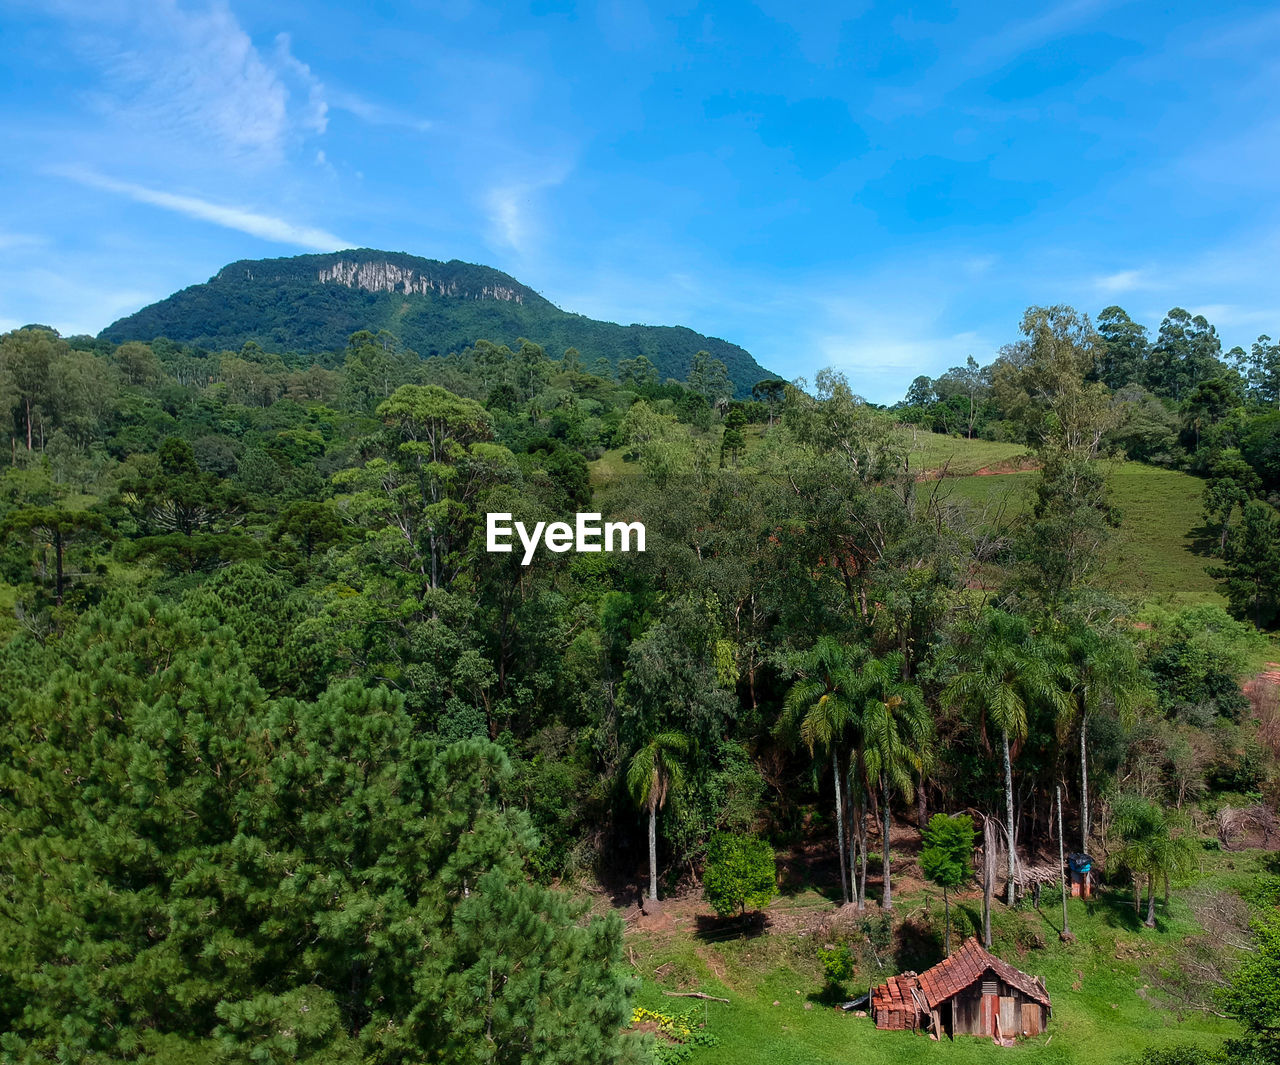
pixel 973 1013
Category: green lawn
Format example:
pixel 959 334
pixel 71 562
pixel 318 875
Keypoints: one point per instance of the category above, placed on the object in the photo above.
pixel 933 452
pixel 1104 1007
pixel 1154 555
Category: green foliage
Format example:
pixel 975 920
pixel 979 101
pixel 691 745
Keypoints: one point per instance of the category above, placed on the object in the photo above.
pixel 1252 995
pixel 272 881
pixel 945 858
pixel 740 874
pixel 1250 569
pixel 281 304
pixel 838 963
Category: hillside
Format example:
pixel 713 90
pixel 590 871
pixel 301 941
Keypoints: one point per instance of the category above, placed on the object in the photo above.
pixel 311 303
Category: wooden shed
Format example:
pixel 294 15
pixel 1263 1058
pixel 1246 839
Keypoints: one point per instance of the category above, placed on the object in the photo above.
pixel 970 993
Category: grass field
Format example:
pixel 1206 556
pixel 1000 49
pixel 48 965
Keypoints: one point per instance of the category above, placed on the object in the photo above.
pixel 1154 555
pixel 959 457
pixel 1105 1007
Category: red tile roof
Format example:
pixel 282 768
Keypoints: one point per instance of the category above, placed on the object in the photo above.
pixel 967 966
pixel 895 994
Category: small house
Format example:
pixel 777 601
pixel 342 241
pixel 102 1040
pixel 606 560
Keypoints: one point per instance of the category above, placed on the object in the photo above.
pixel 970 993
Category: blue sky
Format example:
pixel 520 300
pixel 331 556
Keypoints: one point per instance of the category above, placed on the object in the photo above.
pixel 878 187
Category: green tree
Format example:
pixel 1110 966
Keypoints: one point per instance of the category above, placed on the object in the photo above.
pixel 1263 372
pixel 921 393
pixel 1063 540
pixel 770 392
pixel 653 772
pixel 969 382
pixel 709 377
pixel 999 670
pixel 1252 995
pixel 1042 381
pixel 1123 350
pixel 1185 353
pixel 420 494
pixel 740 874
pixel 58 527
pixel 896 727
pixel 1231 484
pixel 309 524
pixel 822 708
pixel 1155 844
pixel 27 358
pixel 945 857
pixel 1106 678
pixel 1250 570
pixel 194 872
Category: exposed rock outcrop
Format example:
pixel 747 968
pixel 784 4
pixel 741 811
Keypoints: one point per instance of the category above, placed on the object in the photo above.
pixel 387 277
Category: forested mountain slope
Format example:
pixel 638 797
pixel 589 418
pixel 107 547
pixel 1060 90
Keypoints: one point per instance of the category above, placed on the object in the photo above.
pixel 312 303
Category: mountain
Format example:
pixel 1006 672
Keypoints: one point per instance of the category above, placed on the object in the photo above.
pixel 310 304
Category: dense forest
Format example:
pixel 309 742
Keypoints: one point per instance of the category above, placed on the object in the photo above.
pixel 310 304
pixel 292 769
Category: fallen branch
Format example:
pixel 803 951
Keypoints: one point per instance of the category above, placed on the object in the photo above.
pixel 694 994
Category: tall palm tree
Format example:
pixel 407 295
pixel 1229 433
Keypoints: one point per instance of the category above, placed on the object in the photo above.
pixel 654 771
pixel 1155 845
pixel 1104 676
pixel 895 730
pixel 1001 669
pixel 822 707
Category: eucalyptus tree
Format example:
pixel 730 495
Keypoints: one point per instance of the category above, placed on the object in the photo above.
pixel 1000 669
pixel 655 769
pixel 823 707
pixel 895 731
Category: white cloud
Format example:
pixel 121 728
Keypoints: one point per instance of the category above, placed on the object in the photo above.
pixel 374 113
pixel 512 211
pixel 193 76
pixel 255 224
pixel 1016 37
pixel 15 241
pixel 1122 281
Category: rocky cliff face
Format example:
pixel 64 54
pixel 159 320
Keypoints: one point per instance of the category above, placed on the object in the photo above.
pixel 387 277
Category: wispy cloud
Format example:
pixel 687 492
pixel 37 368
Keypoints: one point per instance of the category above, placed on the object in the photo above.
pixel 193 76
pixel 376 114
pixel 1017 37
pixel 1123 281
pixel 268 227
pixel 16 241
pixel 512 210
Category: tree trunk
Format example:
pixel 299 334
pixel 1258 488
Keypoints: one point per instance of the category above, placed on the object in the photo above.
pixel 1150 922
pixel 1008 810
pixel 854 838
pixel 887 903
pixel 844 882
pixel 946 904
pixel 988 879
pixel 862 829
pixel 922 805
pixel 1062 863
pixel 653 851
pixel 57 555
pixel 1084 786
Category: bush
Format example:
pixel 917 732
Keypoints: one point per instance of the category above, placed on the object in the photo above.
pixel 740 873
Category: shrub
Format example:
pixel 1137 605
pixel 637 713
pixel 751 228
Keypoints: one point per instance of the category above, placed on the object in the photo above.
pixel 740 873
